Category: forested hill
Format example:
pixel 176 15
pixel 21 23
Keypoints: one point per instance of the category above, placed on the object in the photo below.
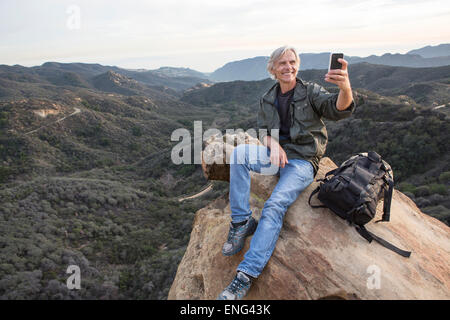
pixel 427 86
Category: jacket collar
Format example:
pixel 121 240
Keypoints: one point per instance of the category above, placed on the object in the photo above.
pixel 299 92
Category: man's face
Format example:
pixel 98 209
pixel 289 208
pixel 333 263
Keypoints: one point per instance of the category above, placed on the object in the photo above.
pixel 285 68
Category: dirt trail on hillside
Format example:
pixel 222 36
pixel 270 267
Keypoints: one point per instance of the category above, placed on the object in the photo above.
pixel 207 189
pixel 77 110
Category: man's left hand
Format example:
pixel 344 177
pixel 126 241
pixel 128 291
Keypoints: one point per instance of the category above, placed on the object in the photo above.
pixel 339 76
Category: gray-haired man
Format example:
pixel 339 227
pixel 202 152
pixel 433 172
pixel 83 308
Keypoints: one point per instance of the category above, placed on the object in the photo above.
pixel 295 108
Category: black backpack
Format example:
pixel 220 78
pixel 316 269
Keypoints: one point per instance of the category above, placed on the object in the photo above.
pixel 353 190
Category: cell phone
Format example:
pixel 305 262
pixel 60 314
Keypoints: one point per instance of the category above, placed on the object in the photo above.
pixel 334 64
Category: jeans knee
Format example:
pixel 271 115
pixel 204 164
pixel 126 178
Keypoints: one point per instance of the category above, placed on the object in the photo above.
pixel 274 212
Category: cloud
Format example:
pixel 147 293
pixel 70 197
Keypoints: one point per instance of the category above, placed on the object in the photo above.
pixel 32 30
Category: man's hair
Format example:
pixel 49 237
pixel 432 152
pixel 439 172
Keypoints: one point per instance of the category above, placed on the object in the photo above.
pixel 276 55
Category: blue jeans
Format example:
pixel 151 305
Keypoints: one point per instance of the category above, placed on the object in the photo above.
pixel 293 179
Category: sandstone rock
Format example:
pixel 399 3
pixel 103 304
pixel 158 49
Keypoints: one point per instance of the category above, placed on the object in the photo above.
pixel 217 152
pixel 318 255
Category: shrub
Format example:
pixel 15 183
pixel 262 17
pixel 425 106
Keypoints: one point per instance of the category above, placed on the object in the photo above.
pixel 104 142
pixel 438 188
pixel 136 131
pixel 4 173
pixel 3 123
pixel 134 146
pixel 444 177
pixel 406 187
pixel 422 191
pixel 439 212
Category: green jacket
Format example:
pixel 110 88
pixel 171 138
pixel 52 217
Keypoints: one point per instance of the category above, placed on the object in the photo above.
pixel 308 133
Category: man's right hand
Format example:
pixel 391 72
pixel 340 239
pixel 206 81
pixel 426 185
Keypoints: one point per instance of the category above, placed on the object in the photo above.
pixel 278 156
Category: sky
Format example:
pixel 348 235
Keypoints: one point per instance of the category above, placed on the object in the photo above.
pixel 206 34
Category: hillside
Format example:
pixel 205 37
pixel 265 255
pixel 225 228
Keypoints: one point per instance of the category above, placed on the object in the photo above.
pixel 427 86
pixel 83 191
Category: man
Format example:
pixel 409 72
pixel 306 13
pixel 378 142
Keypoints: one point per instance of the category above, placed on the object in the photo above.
pixel 295 108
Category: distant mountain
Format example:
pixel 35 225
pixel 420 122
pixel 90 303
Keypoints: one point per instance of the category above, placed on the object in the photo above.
pixel 442 50
pixel 177 82
pixel 255 68
pixel 403 60
pixel 86 75
pixel 111 81
pixel 247 69
pixel 179 72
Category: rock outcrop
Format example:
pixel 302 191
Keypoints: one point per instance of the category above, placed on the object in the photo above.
pixel 318 255
pixel 217 153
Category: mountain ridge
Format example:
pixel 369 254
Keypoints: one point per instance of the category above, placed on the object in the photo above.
pixel 254 68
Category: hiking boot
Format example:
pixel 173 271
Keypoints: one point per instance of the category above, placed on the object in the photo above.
pixel 237 235
pixel 237 289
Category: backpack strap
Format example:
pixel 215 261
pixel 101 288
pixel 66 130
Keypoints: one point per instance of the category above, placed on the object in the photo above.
pixel 331 172
pixel 369 236
pixel 387 200
pixel 309 200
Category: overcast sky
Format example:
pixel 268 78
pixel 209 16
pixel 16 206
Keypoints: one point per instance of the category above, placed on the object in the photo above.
pixel 205 34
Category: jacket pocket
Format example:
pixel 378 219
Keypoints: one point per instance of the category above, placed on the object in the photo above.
pixel 304 115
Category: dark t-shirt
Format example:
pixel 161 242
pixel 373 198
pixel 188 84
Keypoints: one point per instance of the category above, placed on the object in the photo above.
pixel 282 104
